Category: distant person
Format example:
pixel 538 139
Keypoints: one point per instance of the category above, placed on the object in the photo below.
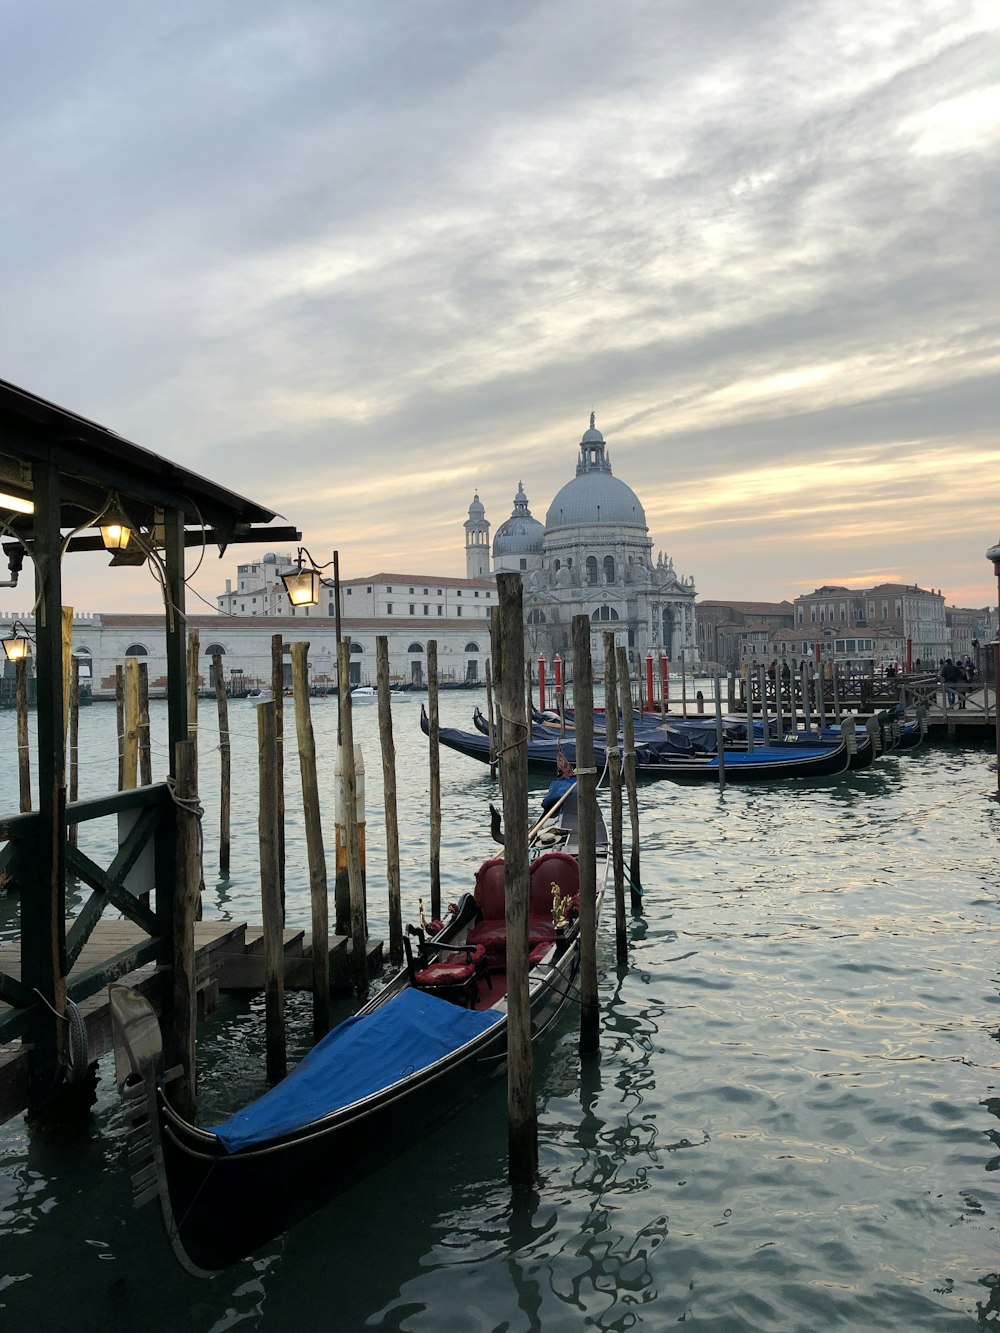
pixel 950 676
pixel 563 782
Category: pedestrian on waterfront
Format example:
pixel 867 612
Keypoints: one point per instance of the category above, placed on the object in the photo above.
pixel 950 676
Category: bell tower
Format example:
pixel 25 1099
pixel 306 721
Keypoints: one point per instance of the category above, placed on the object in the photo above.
pixel 477 541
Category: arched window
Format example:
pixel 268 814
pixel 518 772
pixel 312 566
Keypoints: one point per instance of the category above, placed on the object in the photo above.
pixel 609 569
pixel 415 648
pixel 136 650
pixel 605 613
pixel 356 648
pixel 536 617
pixel 557 565
pixel 472 647
pixel 215 648
pixel 332 609
pixel 591 568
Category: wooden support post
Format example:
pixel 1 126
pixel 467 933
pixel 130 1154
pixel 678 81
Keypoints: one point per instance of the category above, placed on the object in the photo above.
pixel 779 719
pixel 806 678
pixel 130 733
pixel 186 897
pixel 23 749
pixel 278 694
pixel 583 703
pixel 490 720
pixel 664 687
pixel 821 695
pixel 720 739
pixel 225 766
pixel 434 750
pixel 173 527
pixel 359 943
pixel 74 742
pixel 765 721
pixel 120 722
pixel 389 798
pixel 270 895
pixel 314 842
pixel 193 645
pixel 793 714
pixel 522 1120
pixel 43 908
pixel 145 754
pixel 628 726
pixel 731 690
pixel 615 780
pixel 836 693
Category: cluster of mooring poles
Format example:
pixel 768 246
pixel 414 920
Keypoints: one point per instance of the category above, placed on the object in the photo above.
pixel 509 713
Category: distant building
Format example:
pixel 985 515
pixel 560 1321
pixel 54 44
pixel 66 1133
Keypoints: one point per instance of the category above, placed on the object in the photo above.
pixel 726 629
pixel 888 618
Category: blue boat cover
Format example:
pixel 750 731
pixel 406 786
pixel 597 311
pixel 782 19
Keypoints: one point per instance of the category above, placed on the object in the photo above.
pixel 361 1056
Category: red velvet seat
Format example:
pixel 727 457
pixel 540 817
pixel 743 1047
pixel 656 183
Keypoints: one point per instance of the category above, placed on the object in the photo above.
pixel 491 932
pixel 456 976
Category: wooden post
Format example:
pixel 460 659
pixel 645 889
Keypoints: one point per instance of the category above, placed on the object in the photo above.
pixel 270 894
pixel 314 842
pixel 225 766
pixel 434 749
pixel 806 677
pixel 765 717
pixel 664 687
pixel 684 688
pixel 120 721
pixel 720 739
pixel 74 742
pixel 193 645
pixel 187 881
pixel 779 720
pixel 628 726
pixel 145 755
pixel 490 720
pixel 522 1121
pixel 793 714
pixel 130 734
pixel 173 524
pixel 836 693
pixel 23 749
pixel 615 779
pixel 359 943
pixel 583 702
pixel 821 695
pixel 278 694
pixel 389 798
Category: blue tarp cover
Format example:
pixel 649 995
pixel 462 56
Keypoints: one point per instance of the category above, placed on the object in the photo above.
pixel 361 1056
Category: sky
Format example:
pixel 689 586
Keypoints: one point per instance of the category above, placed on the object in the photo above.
pixel 358 261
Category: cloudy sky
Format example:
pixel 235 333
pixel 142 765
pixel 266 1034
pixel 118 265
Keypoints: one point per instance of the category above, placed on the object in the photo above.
pixel 360 259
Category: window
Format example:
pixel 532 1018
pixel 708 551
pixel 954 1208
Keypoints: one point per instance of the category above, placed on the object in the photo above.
pixel 388 608
pixel 458 593
pixel 331 610
pixel 591 568
pixel 605 613
pixel 349 591
pixel 536 617
pixel 523 563
pixel 388 589
pixel 411 592
pixel 425 592
pixel 427 609
pixel 440 610
pixel 136 650
pixel 557 565
pixel 475 594
pixel 609 569
pixel 369 588
pixel 459 610
pixel 415 648
pixel 413 609
pixel 439 592
pixel 471 647
pixel 356 648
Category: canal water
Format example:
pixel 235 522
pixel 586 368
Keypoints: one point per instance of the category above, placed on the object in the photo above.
pixel 794 1122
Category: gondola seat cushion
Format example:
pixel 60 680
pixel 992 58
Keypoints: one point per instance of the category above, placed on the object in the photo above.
pixel 553 868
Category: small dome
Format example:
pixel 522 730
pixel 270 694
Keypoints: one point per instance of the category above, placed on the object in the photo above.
pixel 270 558
pixel 477 509
pixel 520 534
pixel 593 435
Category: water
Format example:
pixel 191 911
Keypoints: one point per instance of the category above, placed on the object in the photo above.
pixel 793 1123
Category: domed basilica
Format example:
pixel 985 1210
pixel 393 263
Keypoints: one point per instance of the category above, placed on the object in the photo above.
pixel 593 555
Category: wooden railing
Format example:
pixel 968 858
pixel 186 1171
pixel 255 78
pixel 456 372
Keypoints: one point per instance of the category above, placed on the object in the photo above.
pixel 143 865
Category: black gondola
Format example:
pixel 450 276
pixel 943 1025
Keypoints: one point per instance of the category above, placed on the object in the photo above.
pixel 405 1060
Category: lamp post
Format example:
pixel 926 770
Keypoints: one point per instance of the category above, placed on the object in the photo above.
pixel 993 554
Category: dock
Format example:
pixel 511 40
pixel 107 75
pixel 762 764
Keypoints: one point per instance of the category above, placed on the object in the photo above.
pixel 229 956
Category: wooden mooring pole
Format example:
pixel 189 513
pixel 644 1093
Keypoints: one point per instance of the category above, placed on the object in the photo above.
pixel 490 718
pixel 359 943
pixel 23 747
pixel 278 694
pixel 225 766
pixel 145 753
pixel 615 781
pixel 270 895
pixel 434 751
pixel 193 645
pixel 120 721
pixel 389 799
pixel 314 842
pixel 130 733
pixel 628 731
pixel 186 893
pixel 583 705
pixel 73 757
pixel 522 1117
pixel 720 739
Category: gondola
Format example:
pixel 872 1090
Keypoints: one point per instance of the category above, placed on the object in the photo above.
pixel 676 760
pixel 422 1047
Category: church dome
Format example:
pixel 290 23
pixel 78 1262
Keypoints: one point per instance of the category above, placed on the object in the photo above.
pixel 520 534
pixel 477 510
pixel 594 497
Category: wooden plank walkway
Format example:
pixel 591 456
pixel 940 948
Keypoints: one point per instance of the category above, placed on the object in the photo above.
pixel 228 956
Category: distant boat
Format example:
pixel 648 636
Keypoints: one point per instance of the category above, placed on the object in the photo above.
pixel 363 694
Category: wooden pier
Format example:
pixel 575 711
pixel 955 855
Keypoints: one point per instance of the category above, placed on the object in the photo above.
pixel 229 956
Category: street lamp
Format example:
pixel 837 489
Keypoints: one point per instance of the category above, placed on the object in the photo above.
pixel 16 645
